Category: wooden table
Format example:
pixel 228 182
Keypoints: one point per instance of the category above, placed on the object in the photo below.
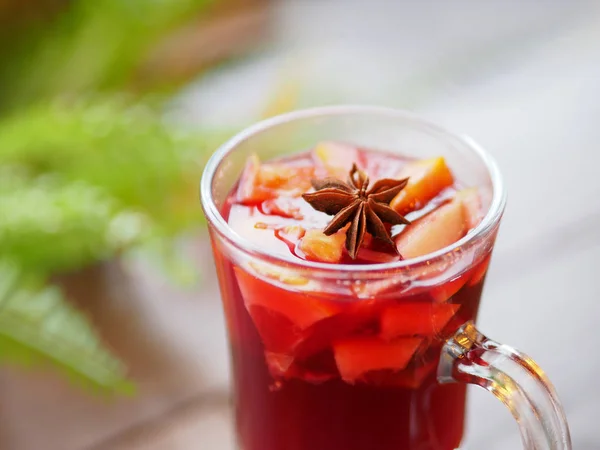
pixel 522 78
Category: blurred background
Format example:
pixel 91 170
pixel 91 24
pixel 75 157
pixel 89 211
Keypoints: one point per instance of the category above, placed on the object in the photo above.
pixel 111 334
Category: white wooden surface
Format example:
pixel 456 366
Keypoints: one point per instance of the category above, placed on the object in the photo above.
pixel 521 77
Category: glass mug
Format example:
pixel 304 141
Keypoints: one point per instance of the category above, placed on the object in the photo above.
pixel 291 397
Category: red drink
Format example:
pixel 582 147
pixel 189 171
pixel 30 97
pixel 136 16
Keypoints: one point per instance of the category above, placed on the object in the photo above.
pixel 347 364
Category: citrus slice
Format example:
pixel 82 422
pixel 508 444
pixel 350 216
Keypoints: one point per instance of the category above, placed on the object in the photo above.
pixel 426 179
pixel 438 229
pixel 416 319
pixel 356 357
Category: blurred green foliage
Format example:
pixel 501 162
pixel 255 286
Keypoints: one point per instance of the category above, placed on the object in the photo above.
pixel 79 182
pixel 91 45
pixel 37 325
pixel 87 170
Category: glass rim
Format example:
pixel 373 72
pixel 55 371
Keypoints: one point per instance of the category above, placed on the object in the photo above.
pixel 214 217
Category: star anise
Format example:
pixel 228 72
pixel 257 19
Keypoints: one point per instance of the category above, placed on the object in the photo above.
pixel 365 209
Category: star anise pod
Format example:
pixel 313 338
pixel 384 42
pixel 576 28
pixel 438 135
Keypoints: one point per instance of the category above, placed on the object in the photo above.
pixel 365 209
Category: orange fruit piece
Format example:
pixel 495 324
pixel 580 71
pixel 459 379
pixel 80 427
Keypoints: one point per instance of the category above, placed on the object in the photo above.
pixel 319 247
pixel 438 229
pixel 416 319
pixel 260 182
pixel 278 334
pixel 356 357
pixel 426 179
pixel 300 308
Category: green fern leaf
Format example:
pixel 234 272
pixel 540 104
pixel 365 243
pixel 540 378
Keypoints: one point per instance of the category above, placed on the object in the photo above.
pixel 125 150
pixel 50 226
pixel 37 327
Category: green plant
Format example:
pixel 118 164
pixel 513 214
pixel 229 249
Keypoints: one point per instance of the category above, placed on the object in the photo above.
pixel 80 183
pixel 89 45
pixel 38 326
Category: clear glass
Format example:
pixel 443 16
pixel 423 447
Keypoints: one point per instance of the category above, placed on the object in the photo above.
pixel 296 327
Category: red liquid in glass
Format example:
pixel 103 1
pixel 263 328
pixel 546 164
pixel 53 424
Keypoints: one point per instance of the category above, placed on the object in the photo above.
pixel 298 355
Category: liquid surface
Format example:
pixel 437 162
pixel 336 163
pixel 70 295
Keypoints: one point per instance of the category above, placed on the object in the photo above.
pixel 267 206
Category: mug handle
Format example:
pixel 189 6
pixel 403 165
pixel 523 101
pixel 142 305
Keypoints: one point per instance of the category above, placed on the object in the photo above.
pixel 514 378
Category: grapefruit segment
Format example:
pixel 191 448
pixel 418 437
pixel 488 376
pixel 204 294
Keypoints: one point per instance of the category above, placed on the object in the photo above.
pixel 300 308
pixel 260 182
pixel 317 246
pixel 416 319
pixel 278 334
pixel 438 229
pixel 356 357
